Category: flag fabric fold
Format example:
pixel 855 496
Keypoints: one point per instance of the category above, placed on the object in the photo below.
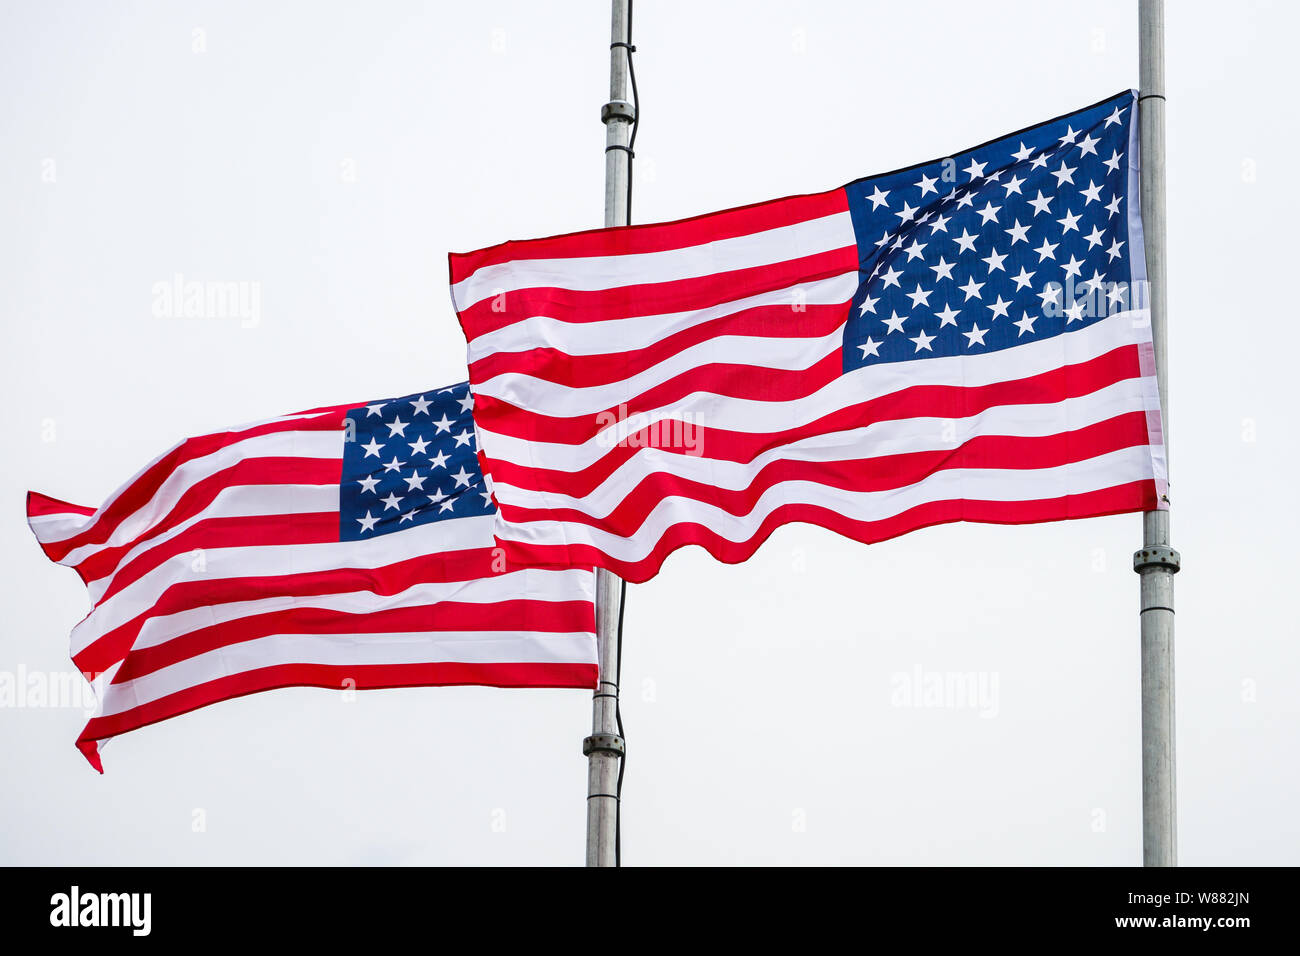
pixel 347 547
pixel 966 339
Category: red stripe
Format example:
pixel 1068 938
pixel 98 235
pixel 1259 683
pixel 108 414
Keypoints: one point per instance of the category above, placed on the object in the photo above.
pixel 653 298
pixel 883 473
pixel 139 492
pixel 1121 499
pixel 655 237
pixel 582 371
pixel 554 617
pixel 336 677
pixel 234 532
pixel 39 504
pixel 199 496
pixel 466 565
pixel 939 401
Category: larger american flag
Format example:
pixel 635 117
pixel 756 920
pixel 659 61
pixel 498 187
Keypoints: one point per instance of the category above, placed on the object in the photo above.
pixel 965 339
pixel 344 547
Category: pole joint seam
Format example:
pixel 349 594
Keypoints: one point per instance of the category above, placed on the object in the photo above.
pixel 1152 96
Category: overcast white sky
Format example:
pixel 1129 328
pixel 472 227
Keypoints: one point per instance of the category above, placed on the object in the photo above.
pixel 334 153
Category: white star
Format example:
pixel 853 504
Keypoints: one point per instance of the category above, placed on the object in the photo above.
pixel 942 269
pixel 907 213
pixel 1112 207
pixel 918 297
pixel 965 197
pixel 940 224
pixel 989 213
pixel 975 169
pixel 966 241
pixel 447 505
pixel 397 427
pixel 923 341
pixel 1025 324
pixel 1022 281
pixel 374 409
pixel 368 523
pixel 487 498
pixel 1040 161
pixel 373 448
pixel 915 250
pixel 368 484
pixel 975 335
pixel 948 316
pixel 1042 203
pixel 1114 250
pixel 1070 134
pixel 1072 267
pixel 416 481
pixel 868 304
pixel 409 515
pixel 438 461
pixel 1074 312
pixel 1071 221
pixel 890 278
pixel 927 184
pixel 994 261
pixel 971 288
pixel 444 425
pixel 1116 292
pixel 1091 194
pixel 884 239
pixel 393 465
pixel 1095 282
pixel 392 501
pixel 999 308
pixel 895 322
pixel 1018 233
pixel 418 446
pixel 1023 153
pixel 463 439
pixel 436 496
pixel 870 347
pixel 1114 117
pixel 1088 145
pixel 1051 292
pixel 1094 238
pixel 1113 162
pixel 462 477
pixel 421 405
pixel 1047 250
pixel 467 402
pixel 878 199
pixel 1013 185
pixel 1064 175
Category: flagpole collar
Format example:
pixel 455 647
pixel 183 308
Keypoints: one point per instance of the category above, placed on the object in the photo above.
pixel 1157 556
pixel 604 743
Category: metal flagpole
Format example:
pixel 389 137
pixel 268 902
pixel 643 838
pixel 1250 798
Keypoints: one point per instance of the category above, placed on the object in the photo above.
pixel 1157 562
pixel 605 747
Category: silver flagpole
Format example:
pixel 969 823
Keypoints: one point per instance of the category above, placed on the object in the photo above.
pixel 1157 562
pixel 605 748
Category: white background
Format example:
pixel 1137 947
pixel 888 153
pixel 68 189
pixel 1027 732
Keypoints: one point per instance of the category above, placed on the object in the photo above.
pixel 760 700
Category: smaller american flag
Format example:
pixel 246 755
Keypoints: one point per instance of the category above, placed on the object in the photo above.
pixel 342 547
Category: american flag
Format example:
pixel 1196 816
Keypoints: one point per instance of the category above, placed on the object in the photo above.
pixel 343 547
pixel 964 339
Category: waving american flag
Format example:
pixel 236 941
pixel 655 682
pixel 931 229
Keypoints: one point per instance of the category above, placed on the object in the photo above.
pixel 965 339
pixel 346 547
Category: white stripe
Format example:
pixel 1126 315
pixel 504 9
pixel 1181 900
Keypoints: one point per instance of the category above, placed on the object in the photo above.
pixel 236 501
pixel 328 444
pixel 353 650
pixel 955 484
pixel 711 410
pixel 531 584
pixel 265 561
pixel 617 336
pixel 879 439
pixel 591 273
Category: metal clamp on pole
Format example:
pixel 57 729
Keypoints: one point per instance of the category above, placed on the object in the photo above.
pixel 618 110
pixel 1157 557
pixel 604 743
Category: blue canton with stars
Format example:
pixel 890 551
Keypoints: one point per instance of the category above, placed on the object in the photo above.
pixel 1017 240
pixel 410 461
